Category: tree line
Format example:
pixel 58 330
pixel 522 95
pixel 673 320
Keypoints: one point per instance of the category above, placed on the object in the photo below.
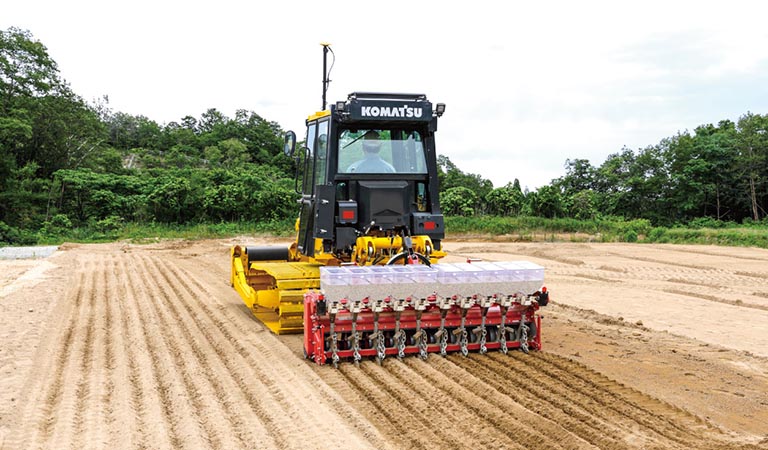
pixel 716 173
pixel 66 162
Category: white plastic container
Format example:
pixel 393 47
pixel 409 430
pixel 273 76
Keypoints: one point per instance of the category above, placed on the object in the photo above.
pixel 489 272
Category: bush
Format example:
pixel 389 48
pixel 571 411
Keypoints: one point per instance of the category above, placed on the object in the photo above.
pixel 60 222
pixel 8 234
pixel 630 236
pixel 458 201
pixel 58 225
pixel 706 222
pixel 110 224
pixel 657 234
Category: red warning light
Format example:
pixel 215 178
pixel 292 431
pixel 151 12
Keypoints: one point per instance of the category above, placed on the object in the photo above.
pixel 348 214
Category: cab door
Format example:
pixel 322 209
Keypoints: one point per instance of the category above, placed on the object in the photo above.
pixel 305 239
pixel 314 215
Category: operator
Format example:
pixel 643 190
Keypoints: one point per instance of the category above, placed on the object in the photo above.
pixel 371 162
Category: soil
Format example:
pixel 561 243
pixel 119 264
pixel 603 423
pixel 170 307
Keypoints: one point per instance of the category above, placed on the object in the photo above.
pixel 148 346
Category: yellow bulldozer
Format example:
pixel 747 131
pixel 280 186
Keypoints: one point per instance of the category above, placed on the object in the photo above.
pixel 363 278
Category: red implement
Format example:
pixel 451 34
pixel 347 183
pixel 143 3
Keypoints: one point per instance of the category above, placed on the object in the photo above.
pixel 337 330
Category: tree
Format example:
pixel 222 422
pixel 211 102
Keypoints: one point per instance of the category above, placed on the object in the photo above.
pixel 26 70
pixel 579 176
pixel 549 202
pixel 458 201
pixel 505 201
pixel 450 176
pixel 752 140
pixel 582 205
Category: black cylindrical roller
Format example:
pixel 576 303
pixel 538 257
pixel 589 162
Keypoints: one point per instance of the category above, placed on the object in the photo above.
pixel 272 253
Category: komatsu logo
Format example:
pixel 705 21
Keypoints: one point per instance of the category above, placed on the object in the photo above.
pixel 391 111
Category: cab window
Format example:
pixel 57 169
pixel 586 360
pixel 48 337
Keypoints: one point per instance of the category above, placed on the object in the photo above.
pixel 381 151
pixel 309 161
pixel 321 153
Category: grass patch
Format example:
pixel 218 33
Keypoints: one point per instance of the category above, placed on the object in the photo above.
pixel 521 229
pixel 150 232
pixel 735 236
pixel 542 229
pixel 609 229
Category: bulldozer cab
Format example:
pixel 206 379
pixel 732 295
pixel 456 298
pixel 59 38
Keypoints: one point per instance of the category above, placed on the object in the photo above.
pixel 368 168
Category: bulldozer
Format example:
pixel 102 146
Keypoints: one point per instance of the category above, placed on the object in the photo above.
pixel 363 277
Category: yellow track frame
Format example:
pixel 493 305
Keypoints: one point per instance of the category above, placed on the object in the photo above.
pixel 274 290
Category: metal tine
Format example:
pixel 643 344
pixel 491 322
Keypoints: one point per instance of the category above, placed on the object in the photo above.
pixel 481 332
pixel 377 337
pixel 461 332
pixel 399 337
pixel 441 336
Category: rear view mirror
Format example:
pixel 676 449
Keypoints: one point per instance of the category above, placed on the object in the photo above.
pixel 290 143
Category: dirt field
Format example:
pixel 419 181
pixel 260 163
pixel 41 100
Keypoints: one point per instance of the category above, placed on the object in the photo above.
pixel 128 346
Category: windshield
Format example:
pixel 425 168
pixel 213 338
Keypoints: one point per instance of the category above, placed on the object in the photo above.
pixel 381 151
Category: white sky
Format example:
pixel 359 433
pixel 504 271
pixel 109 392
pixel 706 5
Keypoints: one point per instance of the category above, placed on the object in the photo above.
pixel 526 85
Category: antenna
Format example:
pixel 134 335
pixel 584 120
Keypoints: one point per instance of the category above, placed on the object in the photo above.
pixel 326 72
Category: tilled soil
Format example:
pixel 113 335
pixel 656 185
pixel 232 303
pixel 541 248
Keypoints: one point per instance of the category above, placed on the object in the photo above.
pixel 128 346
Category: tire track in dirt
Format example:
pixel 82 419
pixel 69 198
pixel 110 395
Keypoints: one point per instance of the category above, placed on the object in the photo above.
pixel 469 252
pixel 550 401
pixel 110 396
pixel 267 355
pixel 666 262
pixel 714 299
pixel 231 421
pixel 210 425
pixel 130 393
pixel 87 409
pixel 403 404
pixel 172 401
pixel 472 395
pixel 67 418
pixel 280 394
pixel 49 390
pixel 671 426
pixel 758 275
pixel 713 253
pixel 382 404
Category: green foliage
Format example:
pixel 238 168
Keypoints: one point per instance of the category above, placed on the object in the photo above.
pixel 13 236
pixel 8 234
pixel 581 205
pixel 459 201
pixel 505 201
pixel 59 225
pixel 451 176
pixel 607 229
pixel 612 228
pixel 110 224
pixel 630 236
pixel 732 236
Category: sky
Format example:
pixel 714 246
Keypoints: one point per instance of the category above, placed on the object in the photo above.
pixel 527 86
